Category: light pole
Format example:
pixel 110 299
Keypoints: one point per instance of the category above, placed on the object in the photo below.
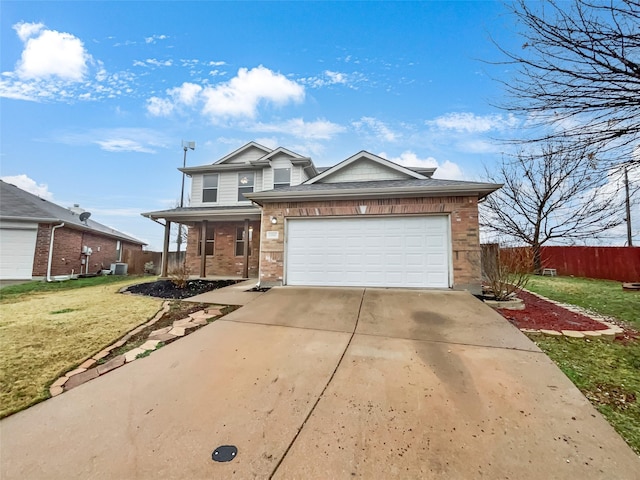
pixel 628 205
pixel 185 146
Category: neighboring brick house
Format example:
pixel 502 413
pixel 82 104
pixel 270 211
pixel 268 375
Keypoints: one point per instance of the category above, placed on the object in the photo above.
pixel 363 222
pixel 80 245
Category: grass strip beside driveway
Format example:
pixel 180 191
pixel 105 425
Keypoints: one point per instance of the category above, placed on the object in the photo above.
pixel 605 297
pixel 607 373
pixel 44 334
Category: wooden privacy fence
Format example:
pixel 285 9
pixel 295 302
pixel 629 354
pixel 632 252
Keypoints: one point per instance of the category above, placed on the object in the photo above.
pixel 136 260
pixel 610 263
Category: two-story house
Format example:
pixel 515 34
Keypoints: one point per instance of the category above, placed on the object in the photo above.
pixel 366 221
pixel 224 225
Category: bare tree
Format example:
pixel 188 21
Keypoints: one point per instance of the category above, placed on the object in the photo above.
pixel 578 72
pixel 550 195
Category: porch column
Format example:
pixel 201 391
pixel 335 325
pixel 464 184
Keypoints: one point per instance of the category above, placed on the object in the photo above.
pixel 245 271
pixel 165 249
pixel 203 249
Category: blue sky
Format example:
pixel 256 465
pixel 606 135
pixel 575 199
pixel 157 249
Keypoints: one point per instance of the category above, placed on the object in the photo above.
pixel 97 96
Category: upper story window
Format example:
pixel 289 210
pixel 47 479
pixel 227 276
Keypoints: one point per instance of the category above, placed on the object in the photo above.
pixel 281 177
pixel 245 185
pixel 210 187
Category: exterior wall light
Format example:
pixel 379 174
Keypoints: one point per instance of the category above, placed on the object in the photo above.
pixel 274 220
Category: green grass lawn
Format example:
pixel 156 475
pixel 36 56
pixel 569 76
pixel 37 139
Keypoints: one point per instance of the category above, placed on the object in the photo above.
pixel 607 373
pixel 605 297
pixel 49 329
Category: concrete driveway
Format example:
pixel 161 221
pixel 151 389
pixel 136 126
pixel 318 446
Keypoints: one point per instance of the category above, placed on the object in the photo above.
pixel 327 383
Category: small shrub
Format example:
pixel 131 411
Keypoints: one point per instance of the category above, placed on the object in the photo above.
pixel 180 276
pixel 508 272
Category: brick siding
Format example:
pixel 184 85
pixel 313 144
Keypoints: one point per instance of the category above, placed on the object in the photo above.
pixel 224 260
pixel 464 230
pixel 67 251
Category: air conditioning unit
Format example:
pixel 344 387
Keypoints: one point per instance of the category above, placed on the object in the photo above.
pixel 119 268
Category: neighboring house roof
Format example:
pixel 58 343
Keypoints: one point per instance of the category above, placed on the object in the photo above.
pixel 19 205
pixel 429 187
pixel 187 214
pixel 366 156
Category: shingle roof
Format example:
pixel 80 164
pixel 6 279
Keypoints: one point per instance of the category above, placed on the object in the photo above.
pixel 376 189
pixel 381 184
pixel 16 204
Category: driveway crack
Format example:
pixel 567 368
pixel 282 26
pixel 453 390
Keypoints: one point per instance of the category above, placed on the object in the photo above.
pixel 295 437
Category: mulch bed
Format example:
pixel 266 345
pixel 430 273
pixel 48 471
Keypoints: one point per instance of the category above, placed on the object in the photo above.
pixel 541 314
pixel 168 289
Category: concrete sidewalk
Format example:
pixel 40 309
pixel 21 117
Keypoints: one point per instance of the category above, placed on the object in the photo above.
pixel 237 294
pixel 328 383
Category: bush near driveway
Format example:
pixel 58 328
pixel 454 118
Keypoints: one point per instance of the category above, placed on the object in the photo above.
pixel 44 334
pixel 607 373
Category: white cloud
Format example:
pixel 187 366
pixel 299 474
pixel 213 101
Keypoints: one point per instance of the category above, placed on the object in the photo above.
pixel 445 170
pixel 159 63
pixel 159 107
pixel 465 122
pixel 186 94
pixel 154 38
pixel 123 145
pixel 378 128
pixel 317 130
pixel 28 184
pixel 141 140
pixel 27 30
pixel 49 53
pixel 216 64
pixel 329 77
pixel 240 96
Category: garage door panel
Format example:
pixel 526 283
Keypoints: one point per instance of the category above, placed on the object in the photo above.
pixel 389 251
pixel 17 250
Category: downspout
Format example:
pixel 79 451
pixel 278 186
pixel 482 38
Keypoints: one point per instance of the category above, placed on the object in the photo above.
pixel 53 232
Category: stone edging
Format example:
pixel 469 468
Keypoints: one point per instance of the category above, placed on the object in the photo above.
pixel 88 369
pixel 608 333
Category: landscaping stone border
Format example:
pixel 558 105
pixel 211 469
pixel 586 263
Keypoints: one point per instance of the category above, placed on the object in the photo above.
pixel 609 333
pixel 90 369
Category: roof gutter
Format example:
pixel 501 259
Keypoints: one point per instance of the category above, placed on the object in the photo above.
pixel 53 234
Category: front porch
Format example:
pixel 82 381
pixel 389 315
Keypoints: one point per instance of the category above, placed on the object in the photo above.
pixel 222 242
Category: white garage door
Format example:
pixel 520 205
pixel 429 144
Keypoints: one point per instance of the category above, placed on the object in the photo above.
pixel 371 252
pixel 17 248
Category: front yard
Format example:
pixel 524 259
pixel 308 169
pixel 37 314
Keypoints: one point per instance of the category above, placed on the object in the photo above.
pixel 48 329
pixel 607 372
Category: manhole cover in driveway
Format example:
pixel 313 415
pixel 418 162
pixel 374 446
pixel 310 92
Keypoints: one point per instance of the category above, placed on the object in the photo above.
pixel 224 453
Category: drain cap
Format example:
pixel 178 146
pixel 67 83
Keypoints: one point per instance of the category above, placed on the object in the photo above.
pixel 224 453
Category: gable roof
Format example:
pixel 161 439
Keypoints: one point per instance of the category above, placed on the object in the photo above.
pixel 227 158
pixel 226 164
pixel 19 205
pixel 409 173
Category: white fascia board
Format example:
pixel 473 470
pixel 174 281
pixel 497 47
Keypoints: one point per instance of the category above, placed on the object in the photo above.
pixel 368 156
pixel 218 168
pixel 281 150
pixel 263 197
pixel 203 214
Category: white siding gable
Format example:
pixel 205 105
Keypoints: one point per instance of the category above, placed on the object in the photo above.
pixel 246 156
pixel 364 170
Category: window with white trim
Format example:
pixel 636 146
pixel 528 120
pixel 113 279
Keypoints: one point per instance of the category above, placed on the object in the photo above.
pixel 245 185
pixel 240 241
pixel 281 177
pixel 210 188
pixel 209 240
